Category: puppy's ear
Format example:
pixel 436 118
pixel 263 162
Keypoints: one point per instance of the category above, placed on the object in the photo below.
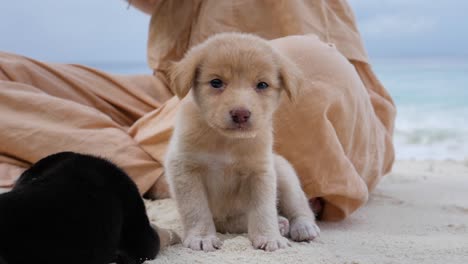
pixel 183 74
pixel 291 77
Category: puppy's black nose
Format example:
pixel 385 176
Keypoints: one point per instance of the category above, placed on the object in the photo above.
pixel 240 115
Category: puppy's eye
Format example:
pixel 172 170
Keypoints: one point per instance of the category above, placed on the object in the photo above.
pixel 262 85
pixel 216 83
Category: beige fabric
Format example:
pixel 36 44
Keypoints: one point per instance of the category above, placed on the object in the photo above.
pixel 331 134
pixel 179 24
pixel 337 135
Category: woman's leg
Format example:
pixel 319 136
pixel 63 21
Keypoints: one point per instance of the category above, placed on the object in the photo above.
pixel 332 134
pixel 47 108
pixel 123 98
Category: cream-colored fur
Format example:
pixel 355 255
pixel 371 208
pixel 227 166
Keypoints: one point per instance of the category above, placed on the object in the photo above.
pixel 224 175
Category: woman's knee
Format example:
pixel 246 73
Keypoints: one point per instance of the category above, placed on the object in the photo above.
pixel 327 74
pixel 15 68
pixel 317 59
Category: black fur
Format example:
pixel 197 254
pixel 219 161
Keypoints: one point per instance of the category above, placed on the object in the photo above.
pixel 74 208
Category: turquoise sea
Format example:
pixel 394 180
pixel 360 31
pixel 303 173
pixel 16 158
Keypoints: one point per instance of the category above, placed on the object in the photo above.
pixel 432 103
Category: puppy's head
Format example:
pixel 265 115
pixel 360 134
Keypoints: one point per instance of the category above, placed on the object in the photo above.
pixel 236 80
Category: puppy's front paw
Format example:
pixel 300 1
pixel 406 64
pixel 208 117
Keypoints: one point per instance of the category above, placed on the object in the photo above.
pixel 270 243
pixel 205 243
pixel 304 229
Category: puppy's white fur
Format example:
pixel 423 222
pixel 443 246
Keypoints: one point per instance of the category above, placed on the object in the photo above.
pixel 223 175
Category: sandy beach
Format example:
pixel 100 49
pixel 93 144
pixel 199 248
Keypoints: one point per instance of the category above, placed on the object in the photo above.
pixel 417 214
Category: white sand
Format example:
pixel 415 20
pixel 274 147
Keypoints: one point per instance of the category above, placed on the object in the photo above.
pixel 417 214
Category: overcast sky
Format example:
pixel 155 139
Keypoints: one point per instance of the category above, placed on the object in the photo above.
pixel 106 31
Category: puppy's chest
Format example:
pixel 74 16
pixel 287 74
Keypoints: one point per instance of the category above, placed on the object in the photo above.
pixel 227 180
pixel 224 168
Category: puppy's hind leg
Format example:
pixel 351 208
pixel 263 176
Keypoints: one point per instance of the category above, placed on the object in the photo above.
pixel 293 203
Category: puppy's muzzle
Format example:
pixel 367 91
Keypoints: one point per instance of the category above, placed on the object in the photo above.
pixel 240 115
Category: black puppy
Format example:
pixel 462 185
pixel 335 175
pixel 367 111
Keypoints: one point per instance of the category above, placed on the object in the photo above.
pixel 74 208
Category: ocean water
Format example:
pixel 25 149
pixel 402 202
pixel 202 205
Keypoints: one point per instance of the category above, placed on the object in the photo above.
pixel 432 104
pixel 431 96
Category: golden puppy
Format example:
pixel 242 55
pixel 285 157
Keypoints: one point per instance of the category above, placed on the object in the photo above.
pixel 220 163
